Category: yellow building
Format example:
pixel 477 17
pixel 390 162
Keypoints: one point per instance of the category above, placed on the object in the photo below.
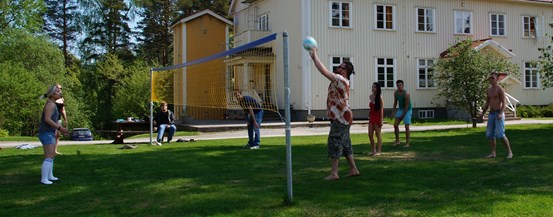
pixel 195 87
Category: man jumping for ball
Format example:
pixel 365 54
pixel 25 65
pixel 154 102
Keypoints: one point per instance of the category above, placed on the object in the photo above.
pixel 339 113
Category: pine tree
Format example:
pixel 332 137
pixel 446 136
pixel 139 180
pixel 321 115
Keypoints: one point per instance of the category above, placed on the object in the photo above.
pixel 156 40
pixel 61 23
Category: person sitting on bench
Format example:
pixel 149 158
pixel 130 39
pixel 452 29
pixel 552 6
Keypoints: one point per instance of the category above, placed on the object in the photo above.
pixel 164 119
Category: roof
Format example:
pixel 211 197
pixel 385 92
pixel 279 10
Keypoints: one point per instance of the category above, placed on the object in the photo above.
pixel 199 14
pixel 482 43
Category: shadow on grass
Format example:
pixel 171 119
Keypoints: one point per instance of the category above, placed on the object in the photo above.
pixel 444 173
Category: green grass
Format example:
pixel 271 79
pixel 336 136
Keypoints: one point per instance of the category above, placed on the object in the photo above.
pixel 18 138
pixel 442 174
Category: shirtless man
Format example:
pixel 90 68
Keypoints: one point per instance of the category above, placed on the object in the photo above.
pixel 495 100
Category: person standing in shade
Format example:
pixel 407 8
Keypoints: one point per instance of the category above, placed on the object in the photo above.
pixel 47 130
pixel 339 113
pixel 376 118
pixel 164 119
pixel 495 100
pixel 403 113
pixel 60 104
pixel 254 117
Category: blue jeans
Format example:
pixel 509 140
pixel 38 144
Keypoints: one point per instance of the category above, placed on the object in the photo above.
pixel 161 131
pixel 253 140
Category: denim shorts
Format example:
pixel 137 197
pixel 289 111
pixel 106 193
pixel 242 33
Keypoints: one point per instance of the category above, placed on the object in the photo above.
pixel 495 127
pixel 47 138
pixel 407 117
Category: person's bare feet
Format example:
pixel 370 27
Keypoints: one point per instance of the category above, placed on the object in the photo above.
pixel 407 145
pixel 510 155
pixel 332 177
pixel 397 143
pixel 353 174
pixel 491 156
pixel 58 153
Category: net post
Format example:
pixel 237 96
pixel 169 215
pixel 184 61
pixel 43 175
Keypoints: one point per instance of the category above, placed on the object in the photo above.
pixel 151 105
pixel 287 117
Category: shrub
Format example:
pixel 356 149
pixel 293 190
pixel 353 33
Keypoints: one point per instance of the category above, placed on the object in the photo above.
pixel 3 133
pixel 547 111
pixel 529 111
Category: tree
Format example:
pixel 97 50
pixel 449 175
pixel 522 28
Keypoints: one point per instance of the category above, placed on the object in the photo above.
pixel 132 93
pixel 546 63
pixel 108 30
pixel 61 22
pixel 189 7
pixel 28 65
pixel 24 14
pixel 156 40
pixel 462 75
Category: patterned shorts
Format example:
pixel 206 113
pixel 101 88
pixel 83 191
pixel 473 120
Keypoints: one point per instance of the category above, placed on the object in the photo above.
pixel 339 141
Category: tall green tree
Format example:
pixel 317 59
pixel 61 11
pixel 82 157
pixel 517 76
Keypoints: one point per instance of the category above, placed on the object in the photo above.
pixel 189 7
pixel 132 93
pixel 155 39
pixel 24 14
pixel 462 75
pixel 546 63
pixel 108 31
pixel 28 65
pixel 61 22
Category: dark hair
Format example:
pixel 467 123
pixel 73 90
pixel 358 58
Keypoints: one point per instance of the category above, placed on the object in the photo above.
pixel 495 74
pixel 349 68
pixel 377 101
pixel 399 81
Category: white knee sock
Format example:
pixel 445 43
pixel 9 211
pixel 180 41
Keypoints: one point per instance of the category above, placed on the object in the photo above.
pixel 51 176
pixel 46 168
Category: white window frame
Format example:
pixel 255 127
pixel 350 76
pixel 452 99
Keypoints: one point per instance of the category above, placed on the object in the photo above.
pixel 263 22
pixel 341 59
pixel 534 75
pixel 527 26
pixel 384 18
pixel 462 16
pixel 426 114
pixel 385 66
pixel 428 21
pixel 498 23
pixel 426 67
pixel 341 17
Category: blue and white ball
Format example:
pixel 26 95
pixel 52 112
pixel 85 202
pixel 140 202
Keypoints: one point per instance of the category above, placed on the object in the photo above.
pixel 309 43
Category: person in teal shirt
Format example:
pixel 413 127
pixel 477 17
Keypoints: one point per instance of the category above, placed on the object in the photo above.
pixel 402 99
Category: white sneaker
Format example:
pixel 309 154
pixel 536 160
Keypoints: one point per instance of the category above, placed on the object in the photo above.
pixel 254 147
pixel 156 143
pixel 46 182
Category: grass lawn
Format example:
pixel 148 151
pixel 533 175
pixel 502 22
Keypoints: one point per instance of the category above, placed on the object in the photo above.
pixel 444 173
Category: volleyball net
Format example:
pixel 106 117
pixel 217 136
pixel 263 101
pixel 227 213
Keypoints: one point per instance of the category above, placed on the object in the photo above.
pixel 203 88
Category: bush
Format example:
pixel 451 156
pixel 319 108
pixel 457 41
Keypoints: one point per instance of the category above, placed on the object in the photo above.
pixel 3 133
pixel 548 110
pixel 529 111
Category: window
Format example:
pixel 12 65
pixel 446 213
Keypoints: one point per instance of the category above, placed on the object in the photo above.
pixel 531 75
pixel 425 19
pixel 336 61
pixel 426 114
pixel 529 27
pixel 385 72
pixel 463 22
pixel 425 73
pixel 385 15
pixel 497 24
pixel 263 22
pixel 340 15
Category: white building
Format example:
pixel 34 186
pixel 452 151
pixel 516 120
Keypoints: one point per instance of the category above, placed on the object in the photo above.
pixel 387 40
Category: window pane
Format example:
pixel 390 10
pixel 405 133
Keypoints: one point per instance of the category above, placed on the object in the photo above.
pixel 345 22
pixel 380 61
pixel 390 83
pixel 390 61
pixel 335 5
pixel 345 6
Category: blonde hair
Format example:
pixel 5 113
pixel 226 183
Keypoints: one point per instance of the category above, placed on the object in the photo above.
pixel 51 90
